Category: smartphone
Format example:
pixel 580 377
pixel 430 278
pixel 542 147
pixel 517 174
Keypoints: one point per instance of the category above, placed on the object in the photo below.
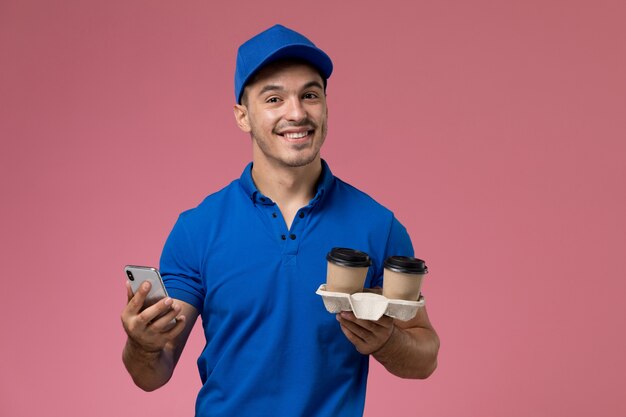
pixel 138 274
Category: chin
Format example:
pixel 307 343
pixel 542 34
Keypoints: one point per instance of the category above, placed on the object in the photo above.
pixel 299 161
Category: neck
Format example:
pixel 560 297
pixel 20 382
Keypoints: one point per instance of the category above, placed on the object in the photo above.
pixel 286 186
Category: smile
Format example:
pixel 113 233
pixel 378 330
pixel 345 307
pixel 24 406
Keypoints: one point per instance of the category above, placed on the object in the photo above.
pixel 297 136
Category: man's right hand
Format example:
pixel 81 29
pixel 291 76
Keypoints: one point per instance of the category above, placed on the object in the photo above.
pixel 146 330
pixel 154 344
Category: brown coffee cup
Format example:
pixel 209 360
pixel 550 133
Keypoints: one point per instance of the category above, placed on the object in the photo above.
pixel 346 270
pixel 402 279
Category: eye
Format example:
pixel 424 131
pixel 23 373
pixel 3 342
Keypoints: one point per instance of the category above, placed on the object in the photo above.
pixel 272 100
pixel 310 96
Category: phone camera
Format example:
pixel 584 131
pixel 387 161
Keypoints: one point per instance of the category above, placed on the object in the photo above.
pixel 130 275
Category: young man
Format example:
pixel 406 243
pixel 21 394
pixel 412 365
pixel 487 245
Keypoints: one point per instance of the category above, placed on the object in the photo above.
pixel 250 257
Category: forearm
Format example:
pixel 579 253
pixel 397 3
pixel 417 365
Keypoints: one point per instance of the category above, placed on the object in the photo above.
pixel 410 353
pixel 149 370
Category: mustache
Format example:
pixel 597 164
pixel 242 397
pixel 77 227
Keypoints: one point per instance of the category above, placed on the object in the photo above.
pixel 303 123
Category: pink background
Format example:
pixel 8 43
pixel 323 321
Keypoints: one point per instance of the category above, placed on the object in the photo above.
pixel 495 131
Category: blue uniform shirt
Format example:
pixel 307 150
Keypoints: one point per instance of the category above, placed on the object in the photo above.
pixel 271 347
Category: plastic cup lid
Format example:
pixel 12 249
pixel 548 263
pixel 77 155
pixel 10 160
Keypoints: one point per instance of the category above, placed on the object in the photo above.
pixel 348 257
pixel 406 265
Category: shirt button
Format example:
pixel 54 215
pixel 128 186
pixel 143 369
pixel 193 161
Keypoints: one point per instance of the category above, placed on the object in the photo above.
pixel 283 237
pixel 274 215
pixel 293 237
pixel 301 215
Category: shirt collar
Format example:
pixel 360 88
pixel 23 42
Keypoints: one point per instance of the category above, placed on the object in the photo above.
pixel 247 184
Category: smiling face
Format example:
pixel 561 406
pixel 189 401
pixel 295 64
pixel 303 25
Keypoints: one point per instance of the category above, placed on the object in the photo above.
pixel 284 110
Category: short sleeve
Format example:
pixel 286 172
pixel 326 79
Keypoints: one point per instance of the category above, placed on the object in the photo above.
pixel 398 244
pixel 180 268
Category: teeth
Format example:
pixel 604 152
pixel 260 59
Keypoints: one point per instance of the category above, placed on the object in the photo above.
pixel 295 135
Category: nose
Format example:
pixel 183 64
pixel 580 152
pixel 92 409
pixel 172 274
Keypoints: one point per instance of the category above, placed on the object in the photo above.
pixel 295 110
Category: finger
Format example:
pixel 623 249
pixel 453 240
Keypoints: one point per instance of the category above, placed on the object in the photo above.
pixel 136 302
pixel 129 291
pixel 348 315
pixel 164 322
pixel 155 310
pixel 384 321
pixel 366 324
pixel 354 328
pixel 178 328
pixel 352 337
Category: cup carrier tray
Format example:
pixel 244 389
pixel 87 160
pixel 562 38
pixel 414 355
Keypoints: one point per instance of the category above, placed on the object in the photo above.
pixel 368 305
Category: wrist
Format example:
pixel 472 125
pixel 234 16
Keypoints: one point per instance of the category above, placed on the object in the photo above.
pixel 138 351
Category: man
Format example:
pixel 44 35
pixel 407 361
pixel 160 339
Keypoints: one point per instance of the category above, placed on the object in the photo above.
pixel 250 257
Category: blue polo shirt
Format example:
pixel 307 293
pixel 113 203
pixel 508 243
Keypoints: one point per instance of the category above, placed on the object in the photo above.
pixel 271 347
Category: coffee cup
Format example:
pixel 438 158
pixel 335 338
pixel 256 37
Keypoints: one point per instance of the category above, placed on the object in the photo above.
pixel 403 277
pixel 346 270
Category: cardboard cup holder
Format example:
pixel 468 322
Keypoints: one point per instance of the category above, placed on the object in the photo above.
pixel 368 305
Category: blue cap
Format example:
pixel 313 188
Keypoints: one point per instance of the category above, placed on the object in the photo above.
pixel 276 43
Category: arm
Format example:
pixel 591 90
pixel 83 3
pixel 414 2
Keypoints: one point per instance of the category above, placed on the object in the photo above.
pixel 153 346
pixel 407 349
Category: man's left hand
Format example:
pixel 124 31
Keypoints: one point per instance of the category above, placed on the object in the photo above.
pixel 366 335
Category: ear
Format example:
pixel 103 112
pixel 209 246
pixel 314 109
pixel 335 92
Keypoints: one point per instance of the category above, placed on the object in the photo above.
pixel 241 117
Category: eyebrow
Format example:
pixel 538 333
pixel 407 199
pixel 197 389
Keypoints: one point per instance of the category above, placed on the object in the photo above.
pixel 274 87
